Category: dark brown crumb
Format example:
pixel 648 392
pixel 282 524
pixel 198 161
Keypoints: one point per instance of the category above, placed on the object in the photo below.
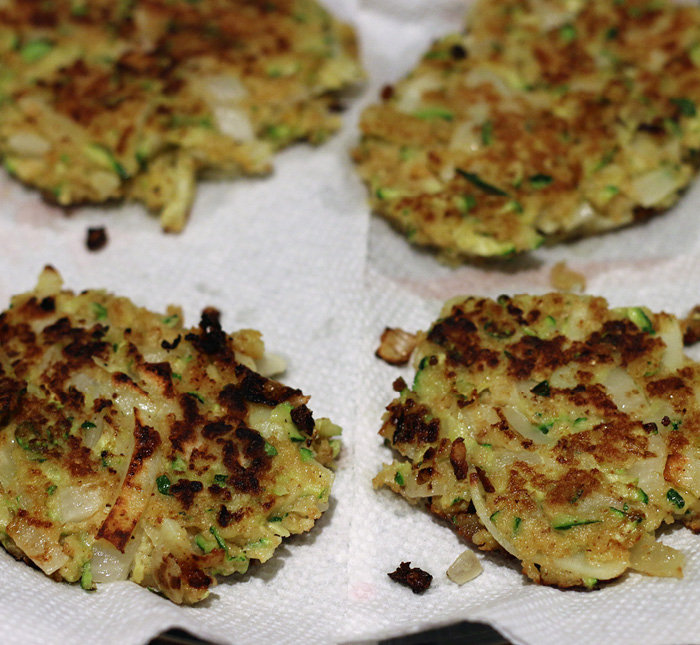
pixel 303 419
pixel 399 385
pixel 212 340
pixel 166 345
pixel 96 238
pixel 691 327
pixel 458 52
pixel 415 578
pixel 387 92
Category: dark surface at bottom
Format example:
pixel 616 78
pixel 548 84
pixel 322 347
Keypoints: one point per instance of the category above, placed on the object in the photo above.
pixel 467 633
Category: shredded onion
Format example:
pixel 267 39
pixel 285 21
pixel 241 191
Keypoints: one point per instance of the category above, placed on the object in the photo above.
pixel 28 144
pixel 580 565
pixel 39 545
pixel 235 123
pixel 649 473
pixel 583 215
pixel 413 90
pixel 466 137
pixel 506 458
pixel 480 505
pixel 591 505
pixel 465 568
pixel 92 435
pixel 50 282
pixel 563 377
pixel 653 187
pixel 623 390
pixel 270 365
pixel 656 559
pixel 550 18
pixel 108 564
pixel 278 529
pixel 485 76
pixel 8 468
pixel 670 333
pixel 225 89
pixel 104 182
pixel 434 486
pixel 522 425
pixel 396 346
pixel 77 503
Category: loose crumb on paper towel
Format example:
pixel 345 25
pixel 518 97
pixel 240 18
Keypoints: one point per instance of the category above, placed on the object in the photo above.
pixel 413 577
pixel 562 278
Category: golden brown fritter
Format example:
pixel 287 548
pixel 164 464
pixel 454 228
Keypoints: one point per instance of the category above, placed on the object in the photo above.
pixel 554 428
pixel 105 100
pixel 547 119
pixel 134 448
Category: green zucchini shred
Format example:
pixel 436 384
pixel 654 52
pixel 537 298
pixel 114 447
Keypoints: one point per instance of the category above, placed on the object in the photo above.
pixel 675 498
pixel 203 544
pixel 541 389
pixel 639 318
pixel 86 577
pixel 477 181
pixel 163 484
pixel 565 526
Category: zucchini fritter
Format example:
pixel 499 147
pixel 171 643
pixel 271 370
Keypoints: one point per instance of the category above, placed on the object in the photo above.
pixel 104 100
pixel 553 428
pixel 131 447
pixel 547 119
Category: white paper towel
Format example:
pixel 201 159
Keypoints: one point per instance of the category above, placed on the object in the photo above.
pixel 297 256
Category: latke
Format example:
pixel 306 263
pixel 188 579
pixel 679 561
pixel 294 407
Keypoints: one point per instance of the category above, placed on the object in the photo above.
pixel 103 100
pixel 556 429
pixel 133 448
pixel 546 120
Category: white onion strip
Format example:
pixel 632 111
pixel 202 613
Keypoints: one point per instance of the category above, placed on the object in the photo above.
pixel 136 488
pixel 477 492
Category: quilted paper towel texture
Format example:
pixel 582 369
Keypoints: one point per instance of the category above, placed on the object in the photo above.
pixel 286 255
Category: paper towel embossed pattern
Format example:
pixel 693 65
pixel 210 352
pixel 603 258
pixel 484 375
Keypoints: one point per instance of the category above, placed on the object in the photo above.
pixel 553 428
pixel 104 100
pixel 544 121
pixel 133 448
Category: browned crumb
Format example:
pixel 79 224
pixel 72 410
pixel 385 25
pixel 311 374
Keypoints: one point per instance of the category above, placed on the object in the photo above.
pixel 96 238
pixel 691 326
pixel 413 577
pixel 562 278
pixel 396 346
